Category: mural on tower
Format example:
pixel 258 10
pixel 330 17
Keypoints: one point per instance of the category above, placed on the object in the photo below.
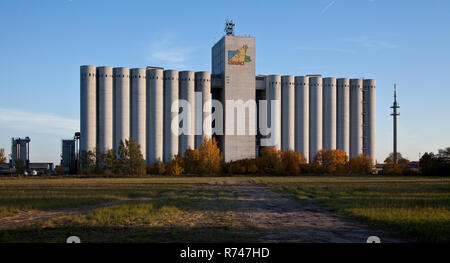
pixel 239 56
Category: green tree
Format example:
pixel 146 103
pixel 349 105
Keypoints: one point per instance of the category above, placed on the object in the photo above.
pixel 3 158
pixel 156 168
pixel 20 166
pixel 111 163
pixel 87 162
pixel 130 158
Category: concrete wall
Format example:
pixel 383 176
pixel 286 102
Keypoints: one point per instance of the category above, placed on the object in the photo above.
pixel 343 115
pixel 155 115
pixel 315 115
pixel 170 99
pixel 121 105
pixel 369 113
pixel 187 92
pixel 274 91
pixel 329 113
pixel 239 84
pixel 105 108
pixel 288 111
pixel 138 108
pixel 356 120
pixel 88 108
pixel 302 116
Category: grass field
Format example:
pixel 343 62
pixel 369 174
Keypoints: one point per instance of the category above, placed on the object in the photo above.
pixel 199 209
pixel 416 207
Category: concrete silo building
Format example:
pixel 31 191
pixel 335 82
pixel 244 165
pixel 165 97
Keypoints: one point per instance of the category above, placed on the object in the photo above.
pixel 311 112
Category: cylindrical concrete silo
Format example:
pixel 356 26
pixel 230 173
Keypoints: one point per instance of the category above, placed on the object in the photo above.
pixel 105 108
pixel 121 105
pixel 88 108
pixel 369 113
pixel 187 93
pixel 329 113
pixel 315 116
pixel 343 115
pixel 138 108
pixel 356 120
pixel 302 116
pixel 203 85
pixel 288 111
pixel 170 99
pixel 274 93
pixel 155 115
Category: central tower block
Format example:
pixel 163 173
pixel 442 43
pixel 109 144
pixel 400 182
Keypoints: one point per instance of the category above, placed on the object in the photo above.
pixel 233 61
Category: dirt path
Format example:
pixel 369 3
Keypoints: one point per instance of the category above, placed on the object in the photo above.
pixel 286 220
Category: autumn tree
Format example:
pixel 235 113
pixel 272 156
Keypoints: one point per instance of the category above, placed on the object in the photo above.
pixel 395 168
pixel 175 165
pixel 210 157
pixel 3 158
pixel 330 161
pixel 361 165
pixel 156 168
pixel 269 161
pixel 291 161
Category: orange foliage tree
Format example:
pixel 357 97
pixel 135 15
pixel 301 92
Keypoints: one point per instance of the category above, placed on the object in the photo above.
pixel 330 161
pixel 291 161
pixel 175 165
pixel 205 160
pixel 360 165
pixel 269 161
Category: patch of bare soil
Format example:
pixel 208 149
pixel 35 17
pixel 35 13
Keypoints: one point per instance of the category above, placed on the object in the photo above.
pixel 287 220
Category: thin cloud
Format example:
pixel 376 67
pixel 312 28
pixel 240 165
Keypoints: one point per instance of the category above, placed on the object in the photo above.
pixel 371 43
pixel 167 53
pixel 31 122
pixel 325 49
pixel 328 6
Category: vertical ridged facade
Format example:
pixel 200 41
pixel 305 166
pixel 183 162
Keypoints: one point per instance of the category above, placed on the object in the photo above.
pixel 88 109
pixel 329 113
pixel 369 118
pixel 121 105
pixel 105 108
pixel 274 93
pixel 171 124
pixel 343 115
pixel 203 85
pixel 356 120
pixel 288 111
pixel 315 115
pixel 138 108
pixel 155 115
pixel 302 116
pixel 187 93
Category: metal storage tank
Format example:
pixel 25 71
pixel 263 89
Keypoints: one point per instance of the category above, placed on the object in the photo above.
pixel 274 93
pixel 343 115
pixel 155 115
pixel 315 116
pixel 187 92
pixel 287 118
pixel 203 85
pixel 121 105
pixel 105 108
pixel 170 99
pixel 138 108
pixel 356 120
pixel 369 113
pixel 88 108
pixel 302 116
pixel 329 113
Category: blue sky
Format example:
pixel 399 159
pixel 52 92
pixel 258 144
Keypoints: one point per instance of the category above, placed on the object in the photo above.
pixel 43 43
